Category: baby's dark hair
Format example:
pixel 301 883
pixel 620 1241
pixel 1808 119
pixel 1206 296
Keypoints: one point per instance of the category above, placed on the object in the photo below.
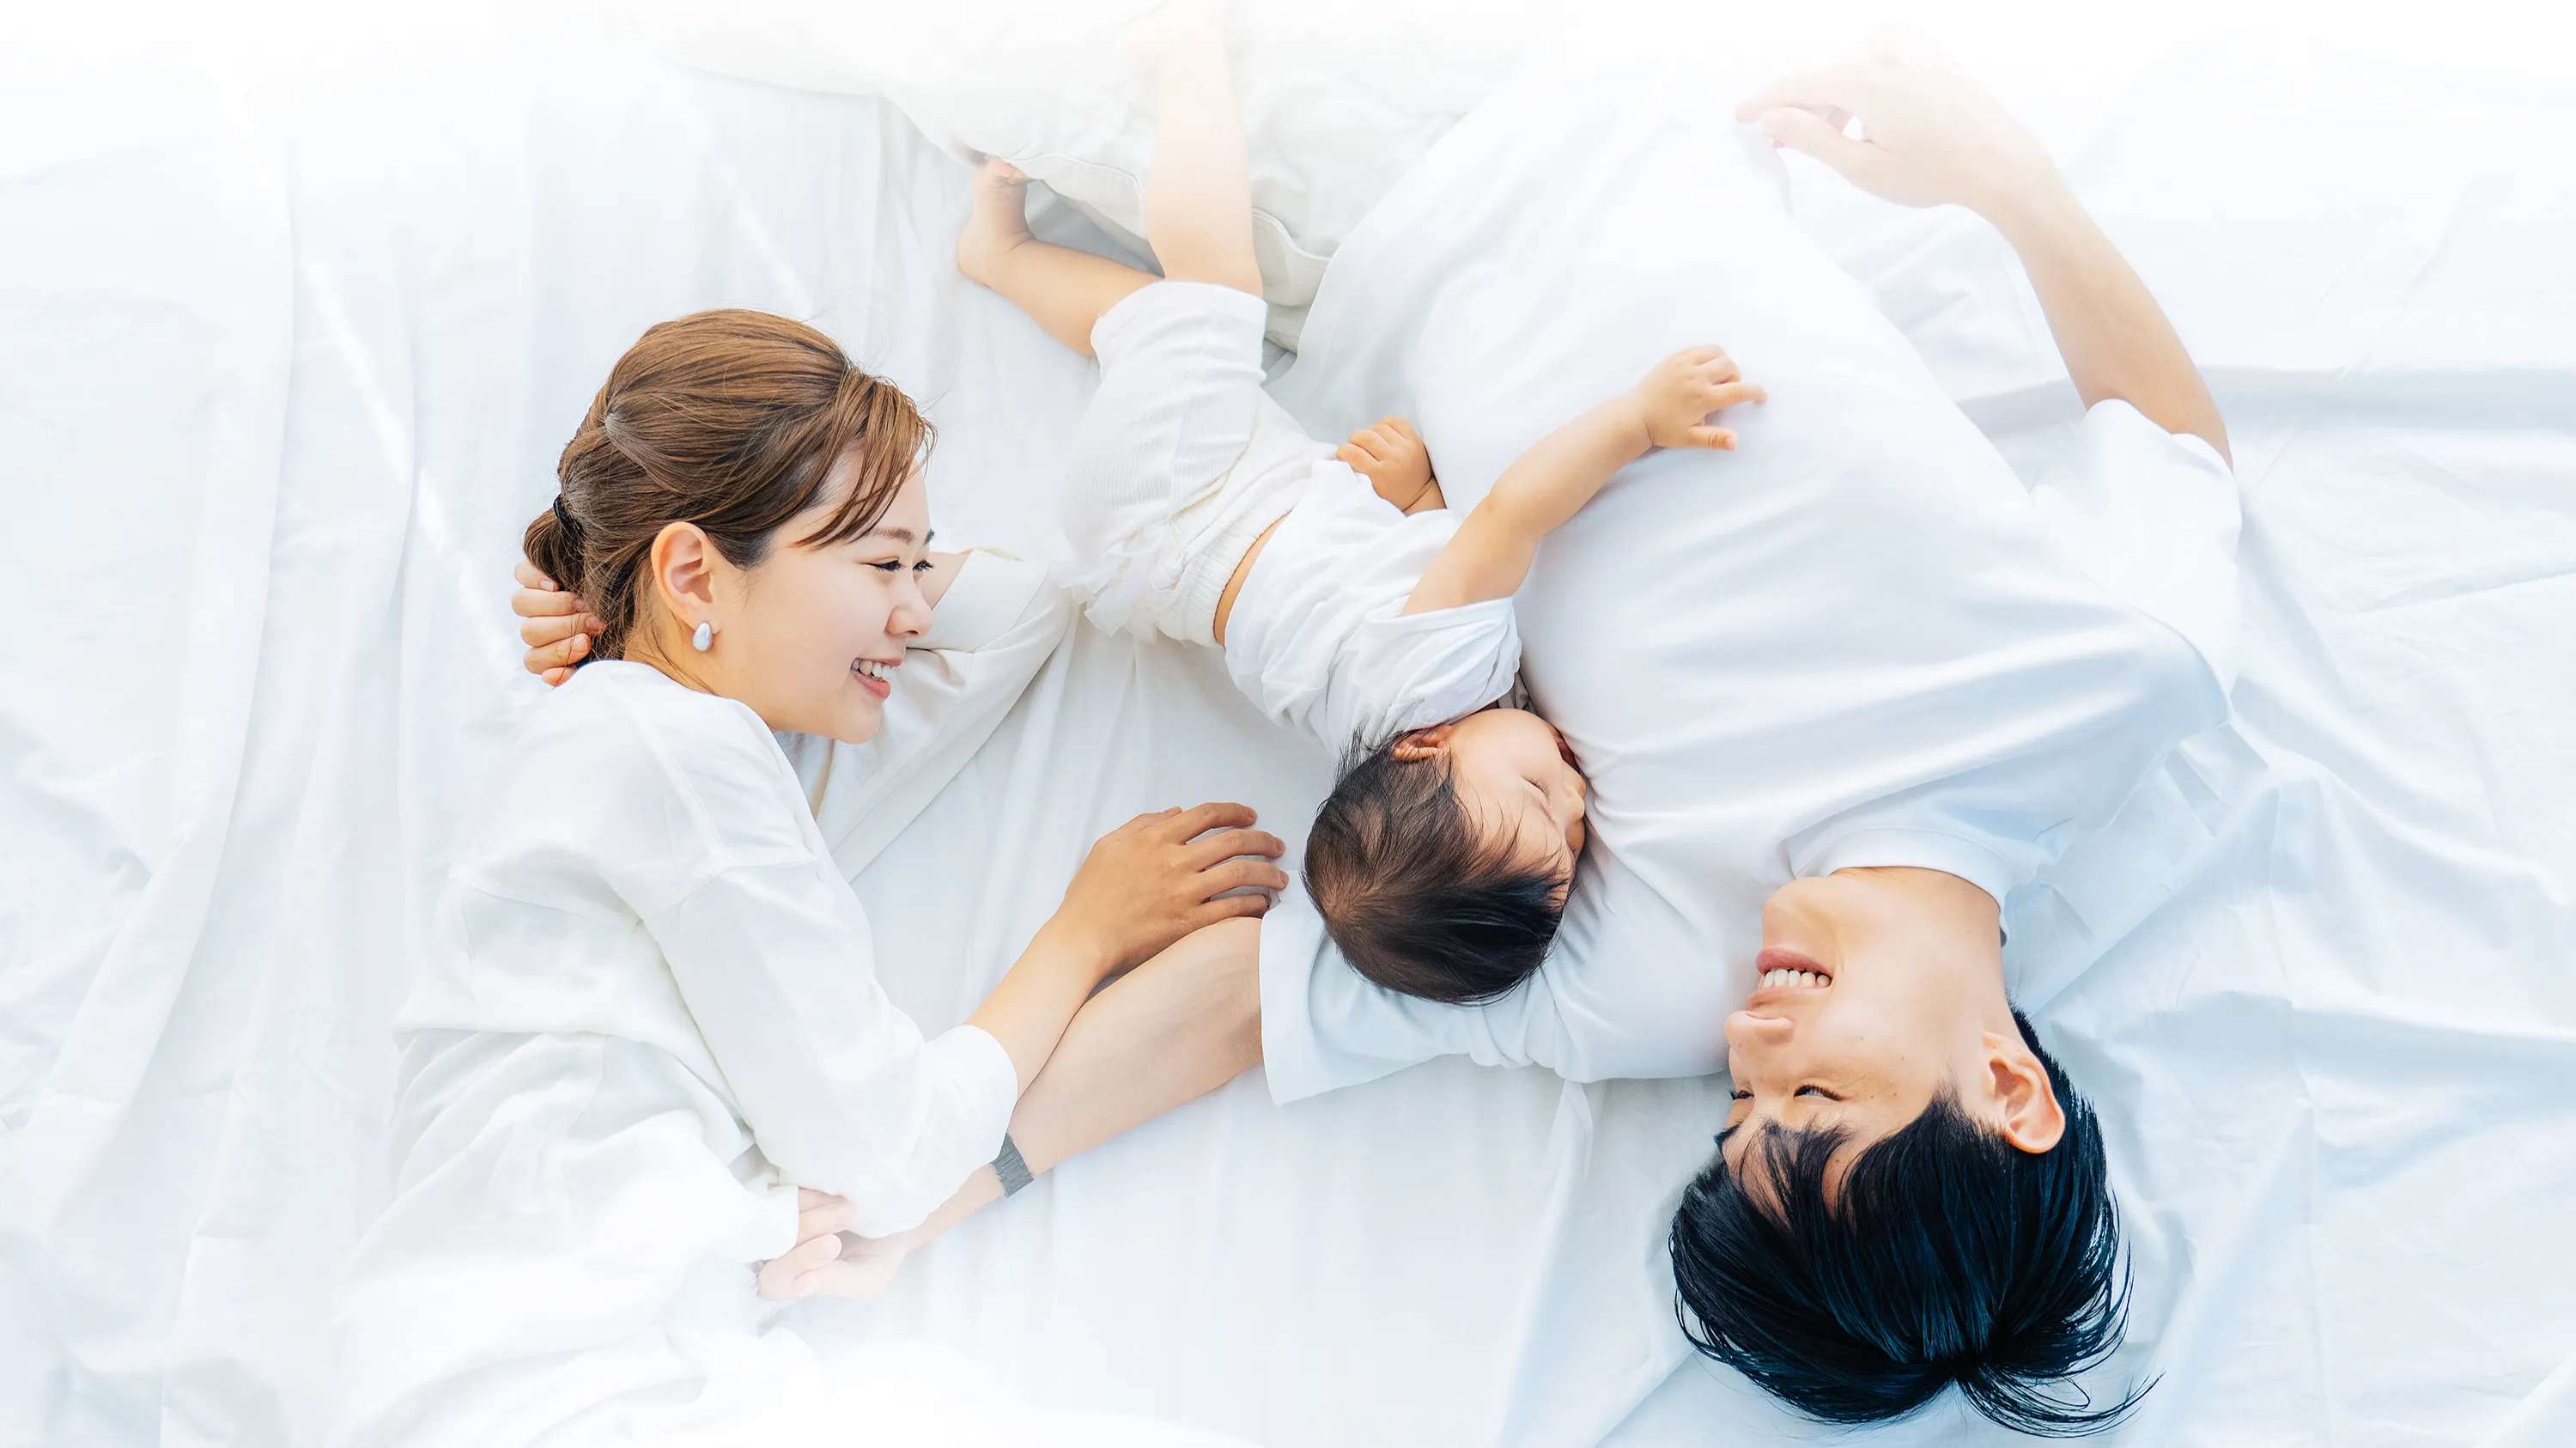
pixel 1419 899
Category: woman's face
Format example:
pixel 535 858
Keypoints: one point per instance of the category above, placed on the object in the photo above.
pixel 810 637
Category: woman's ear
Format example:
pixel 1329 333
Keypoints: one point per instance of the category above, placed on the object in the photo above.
pixel 1423 744
pixel 684 563
pixel 2032 1119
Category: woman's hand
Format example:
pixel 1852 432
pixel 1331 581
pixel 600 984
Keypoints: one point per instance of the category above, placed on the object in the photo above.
pixel 1160 876
pixel 1676 399
pixel 558 627
pixel 801 1271
pixel 1930 135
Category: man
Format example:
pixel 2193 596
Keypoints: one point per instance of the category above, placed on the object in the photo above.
pixel 1839 692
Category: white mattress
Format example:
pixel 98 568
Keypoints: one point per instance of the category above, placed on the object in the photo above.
pixel 298 320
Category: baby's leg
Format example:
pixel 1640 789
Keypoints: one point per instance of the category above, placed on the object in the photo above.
pixel 1198 194
pixel 1062 289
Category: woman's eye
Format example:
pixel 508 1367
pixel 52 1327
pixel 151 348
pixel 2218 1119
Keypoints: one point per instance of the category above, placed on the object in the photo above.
pixel 924 566
pixel 896 566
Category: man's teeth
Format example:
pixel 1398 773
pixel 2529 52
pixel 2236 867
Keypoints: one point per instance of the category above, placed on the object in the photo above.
pixel 1807 979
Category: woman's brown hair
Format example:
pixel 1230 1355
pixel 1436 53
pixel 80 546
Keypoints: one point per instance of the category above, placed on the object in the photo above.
pixel 731 420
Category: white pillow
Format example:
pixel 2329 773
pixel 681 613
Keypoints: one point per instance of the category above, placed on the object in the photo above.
pixel 1340 97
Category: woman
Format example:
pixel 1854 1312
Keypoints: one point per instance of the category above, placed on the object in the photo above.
pixel 649 1010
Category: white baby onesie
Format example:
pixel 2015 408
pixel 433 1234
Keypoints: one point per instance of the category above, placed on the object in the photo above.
pixel 1180 464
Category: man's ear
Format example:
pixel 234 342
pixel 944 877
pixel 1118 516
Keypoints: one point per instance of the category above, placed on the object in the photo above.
pixel 2032 1119
pixel 1423 744
pixel 684 563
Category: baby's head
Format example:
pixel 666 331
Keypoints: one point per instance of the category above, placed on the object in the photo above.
pixel 1441 861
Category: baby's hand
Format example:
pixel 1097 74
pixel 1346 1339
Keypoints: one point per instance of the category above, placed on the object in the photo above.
pixel 1390 454
pixel 559 625
pixel 1676 400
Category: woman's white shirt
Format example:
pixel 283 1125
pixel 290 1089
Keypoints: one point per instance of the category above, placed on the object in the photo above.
pixel 654 878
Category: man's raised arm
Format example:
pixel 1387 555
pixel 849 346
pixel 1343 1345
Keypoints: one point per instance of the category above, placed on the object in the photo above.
pixel 1930 136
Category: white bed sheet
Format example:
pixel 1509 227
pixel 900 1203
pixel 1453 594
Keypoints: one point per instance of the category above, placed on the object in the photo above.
pixel 298 327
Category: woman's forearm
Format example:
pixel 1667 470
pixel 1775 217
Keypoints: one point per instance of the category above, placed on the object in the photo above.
pixel 1168 1032
pixel 2117 343
pixel 1029 1011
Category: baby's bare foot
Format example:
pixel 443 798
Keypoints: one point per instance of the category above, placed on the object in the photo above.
pixel 999 222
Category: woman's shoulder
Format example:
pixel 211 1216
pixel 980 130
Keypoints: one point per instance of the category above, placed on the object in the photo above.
pixel 621 760
pixel 636 716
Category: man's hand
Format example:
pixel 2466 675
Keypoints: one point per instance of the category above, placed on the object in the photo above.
pixel 1675 400
pixel 1929 134
pixel 1391 455
pixel 800 1270
pixel 1160 876
pixel 559 625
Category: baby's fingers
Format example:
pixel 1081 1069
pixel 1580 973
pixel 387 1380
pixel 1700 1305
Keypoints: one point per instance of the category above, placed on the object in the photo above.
pixel 1720 368
pixel 1728 394
pixel 1718 438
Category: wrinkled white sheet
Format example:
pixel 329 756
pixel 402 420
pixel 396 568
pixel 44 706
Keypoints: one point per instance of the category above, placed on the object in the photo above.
pixel 299 316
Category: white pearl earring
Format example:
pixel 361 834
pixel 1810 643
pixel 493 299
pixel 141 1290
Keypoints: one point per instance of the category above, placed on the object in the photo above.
pixel 705 638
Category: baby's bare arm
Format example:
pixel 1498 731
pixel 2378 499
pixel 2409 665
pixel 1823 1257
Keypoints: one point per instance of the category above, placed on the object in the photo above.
pixel 1494 547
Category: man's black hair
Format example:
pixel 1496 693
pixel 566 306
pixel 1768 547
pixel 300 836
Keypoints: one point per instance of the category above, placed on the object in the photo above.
pixel 1948 1256
pixel 1419 900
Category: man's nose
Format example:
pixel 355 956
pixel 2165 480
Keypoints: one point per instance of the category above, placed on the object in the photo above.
pixel 1747 1031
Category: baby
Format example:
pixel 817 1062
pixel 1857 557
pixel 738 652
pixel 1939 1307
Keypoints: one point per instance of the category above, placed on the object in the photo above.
pixel 1365 612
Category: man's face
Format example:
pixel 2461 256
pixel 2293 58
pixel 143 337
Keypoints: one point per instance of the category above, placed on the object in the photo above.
pixel 1878 990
